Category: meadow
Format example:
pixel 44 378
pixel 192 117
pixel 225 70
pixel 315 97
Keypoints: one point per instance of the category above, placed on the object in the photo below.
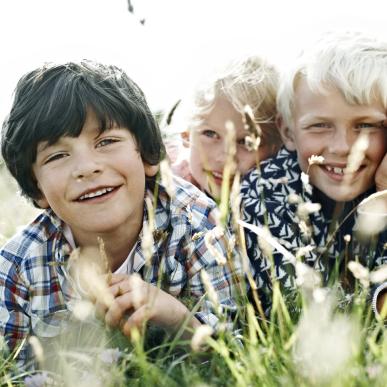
pixel 316 336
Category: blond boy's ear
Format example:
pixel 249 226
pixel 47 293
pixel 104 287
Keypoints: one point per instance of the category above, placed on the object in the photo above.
pixel 287 134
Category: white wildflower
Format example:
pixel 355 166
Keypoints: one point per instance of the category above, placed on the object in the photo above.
pixel 306 277
pixel 83 309
pixel 379 275
pixel 305 183
pixel 324 343
pixel 210 291
pixel 306 231
pixel 200 337
pixel 303 251
pixel 359 272
pixel 294 198
pixel 357 153
pixel 263 242
pixel 347 238
pixel 320 295
pixel 37 349
pixel 316 160
pixel 209 238
pixel 167 178
pixel 304 209
pixel 260 231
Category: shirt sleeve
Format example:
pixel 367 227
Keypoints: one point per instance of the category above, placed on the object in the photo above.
pixel 14 301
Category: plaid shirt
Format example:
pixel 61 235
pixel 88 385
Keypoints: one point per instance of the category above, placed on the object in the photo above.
pixel 35 289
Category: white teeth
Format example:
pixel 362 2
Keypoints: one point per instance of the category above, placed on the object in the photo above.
pixel 96 193
pixel 337 170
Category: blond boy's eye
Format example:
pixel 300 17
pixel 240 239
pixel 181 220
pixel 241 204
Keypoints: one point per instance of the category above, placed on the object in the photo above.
pixel 369 125
pixel 321 125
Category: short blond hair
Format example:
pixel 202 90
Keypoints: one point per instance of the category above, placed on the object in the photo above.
pixel 251 81
pixel 352 63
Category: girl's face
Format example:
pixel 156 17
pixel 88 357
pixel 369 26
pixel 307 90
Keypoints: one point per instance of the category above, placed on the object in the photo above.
pixel 208 153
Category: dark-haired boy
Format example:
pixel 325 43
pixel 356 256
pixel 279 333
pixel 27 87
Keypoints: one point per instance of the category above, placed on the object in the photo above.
pixel 82 144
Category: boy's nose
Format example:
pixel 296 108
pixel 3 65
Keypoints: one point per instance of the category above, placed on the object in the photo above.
pixel 340 143
pixel 86 170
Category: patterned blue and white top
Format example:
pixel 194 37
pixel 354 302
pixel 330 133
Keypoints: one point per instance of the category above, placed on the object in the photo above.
pixel 268 198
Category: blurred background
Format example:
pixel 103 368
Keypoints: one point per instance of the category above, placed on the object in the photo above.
pixel 165 45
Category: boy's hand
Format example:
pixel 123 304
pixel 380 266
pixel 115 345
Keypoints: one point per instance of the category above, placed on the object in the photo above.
pixel 136 302
pixel 381 175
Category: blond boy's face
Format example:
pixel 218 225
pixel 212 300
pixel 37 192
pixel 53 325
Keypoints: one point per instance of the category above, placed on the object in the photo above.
pixel 326 125
pixel 94 182
pixel 208 153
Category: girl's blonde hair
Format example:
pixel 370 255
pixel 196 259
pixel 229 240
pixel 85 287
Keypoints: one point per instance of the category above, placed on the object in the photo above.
pixel 249 81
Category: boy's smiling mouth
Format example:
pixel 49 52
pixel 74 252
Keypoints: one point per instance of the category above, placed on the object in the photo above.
pixel 95 193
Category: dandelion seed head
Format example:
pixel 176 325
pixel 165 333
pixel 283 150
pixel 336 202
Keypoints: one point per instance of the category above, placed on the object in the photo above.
pixel 304 209
pixel 347 238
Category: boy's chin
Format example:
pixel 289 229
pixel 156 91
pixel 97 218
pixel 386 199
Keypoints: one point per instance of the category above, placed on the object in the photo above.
pixel 344 193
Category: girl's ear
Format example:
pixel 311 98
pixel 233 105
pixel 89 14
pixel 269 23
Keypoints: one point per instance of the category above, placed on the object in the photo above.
pixel 185 138
pixel 151 170
pixel 287 134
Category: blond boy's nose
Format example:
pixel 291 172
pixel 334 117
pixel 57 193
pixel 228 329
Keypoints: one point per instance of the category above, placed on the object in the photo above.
pixel 340 143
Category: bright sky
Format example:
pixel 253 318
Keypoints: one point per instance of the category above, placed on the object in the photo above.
pixel 180 38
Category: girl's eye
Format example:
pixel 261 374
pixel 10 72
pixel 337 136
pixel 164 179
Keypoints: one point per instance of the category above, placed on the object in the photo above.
pixel 210 133
pixel 320 125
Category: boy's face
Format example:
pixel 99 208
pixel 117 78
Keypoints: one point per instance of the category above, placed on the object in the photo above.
pixel 326 125
pixel 94 182
pixel 208 153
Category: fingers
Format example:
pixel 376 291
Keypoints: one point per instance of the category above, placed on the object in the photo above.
pixel 136 320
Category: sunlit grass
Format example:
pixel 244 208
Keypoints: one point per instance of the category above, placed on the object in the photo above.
pixel 315 336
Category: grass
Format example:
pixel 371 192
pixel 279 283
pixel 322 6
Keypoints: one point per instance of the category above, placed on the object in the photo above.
pixel 314 337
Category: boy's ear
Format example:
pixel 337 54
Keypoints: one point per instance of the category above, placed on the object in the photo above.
pixel 42 202
pixel 286 134
pixel 151 170
pixel 185 138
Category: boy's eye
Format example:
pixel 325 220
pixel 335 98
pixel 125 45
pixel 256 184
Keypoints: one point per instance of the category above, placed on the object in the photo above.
pixel 106 141
pixel 53 157
pixel 210 133
pixel 369 125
